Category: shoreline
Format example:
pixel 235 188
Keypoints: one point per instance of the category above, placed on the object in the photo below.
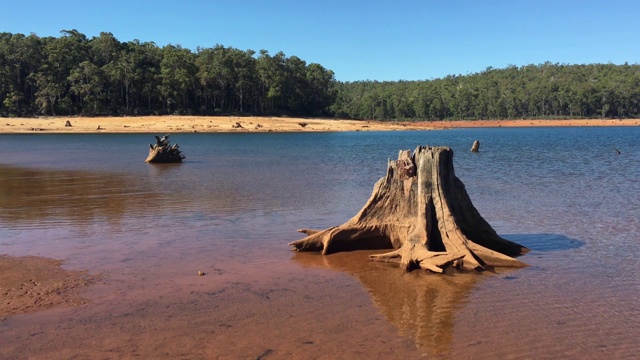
pixel 251 124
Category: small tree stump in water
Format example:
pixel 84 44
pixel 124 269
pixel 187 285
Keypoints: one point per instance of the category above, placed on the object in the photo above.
pixel 422 210
pixel 476 146
pixel 162 152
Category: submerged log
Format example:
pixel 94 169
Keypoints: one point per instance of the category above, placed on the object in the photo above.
pixel 162 152
pixel 422 210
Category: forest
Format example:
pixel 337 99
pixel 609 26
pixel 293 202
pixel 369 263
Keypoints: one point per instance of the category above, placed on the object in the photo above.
pixel 76 75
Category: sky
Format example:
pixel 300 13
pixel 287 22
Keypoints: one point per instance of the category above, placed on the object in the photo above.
pixel 360 40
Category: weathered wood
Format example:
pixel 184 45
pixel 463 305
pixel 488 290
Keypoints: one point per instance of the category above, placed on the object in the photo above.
pixel 162 152
pixel 422 210
pixel 476 146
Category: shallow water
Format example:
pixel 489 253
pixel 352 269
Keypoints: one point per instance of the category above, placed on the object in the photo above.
pixel 236 202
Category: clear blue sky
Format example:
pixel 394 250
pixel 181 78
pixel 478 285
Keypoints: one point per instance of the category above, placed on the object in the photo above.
pixel 361 40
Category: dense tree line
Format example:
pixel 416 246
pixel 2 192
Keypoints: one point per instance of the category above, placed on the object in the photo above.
pixel 533 91
pixel 71 75
pixel 75 75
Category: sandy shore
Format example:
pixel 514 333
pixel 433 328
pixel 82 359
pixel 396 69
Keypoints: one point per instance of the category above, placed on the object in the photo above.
pixel 529 123
pixel 182 124
pixel 185 124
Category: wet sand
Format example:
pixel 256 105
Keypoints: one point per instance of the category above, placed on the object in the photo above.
pixel 161 309
pixel 215 124
pixel 29 284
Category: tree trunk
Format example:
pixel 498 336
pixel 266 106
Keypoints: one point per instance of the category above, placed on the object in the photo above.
pixel 161 152
pixel 422 210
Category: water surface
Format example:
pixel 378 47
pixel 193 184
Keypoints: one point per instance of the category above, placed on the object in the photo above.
pixel 238 199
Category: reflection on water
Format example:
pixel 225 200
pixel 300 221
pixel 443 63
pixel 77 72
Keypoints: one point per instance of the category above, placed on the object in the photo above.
pixel 44 198
pixel 420 304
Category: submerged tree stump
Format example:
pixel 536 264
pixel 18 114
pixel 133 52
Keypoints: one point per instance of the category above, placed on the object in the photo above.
pixel 422 210
pixel 162 152
pixel 476 146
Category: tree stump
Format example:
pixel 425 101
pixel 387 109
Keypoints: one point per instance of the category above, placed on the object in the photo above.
pixel 162 152
pixel 476 146
pixel 422 210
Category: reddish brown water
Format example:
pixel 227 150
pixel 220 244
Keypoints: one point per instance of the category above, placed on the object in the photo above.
pixel 231 211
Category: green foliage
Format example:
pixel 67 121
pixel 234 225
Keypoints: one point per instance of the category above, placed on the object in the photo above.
pixel 72 74
pixel 533 91
pixel 103 76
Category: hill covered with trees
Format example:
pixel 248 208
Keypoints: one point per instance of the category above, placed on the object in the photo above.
pixel 75 75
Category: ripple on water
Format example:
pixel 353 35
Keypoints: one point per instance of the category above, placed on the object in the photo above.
pixel 236 202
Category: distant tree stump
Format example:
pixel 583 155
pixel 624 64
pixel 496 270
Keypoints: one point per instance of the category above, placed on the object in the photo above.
pixel 422 210
pixel 476 146
pixel 67 124
pixel 162 152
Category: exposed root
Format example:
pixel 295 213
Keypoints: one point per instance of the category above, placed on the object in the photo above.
pixel 422 210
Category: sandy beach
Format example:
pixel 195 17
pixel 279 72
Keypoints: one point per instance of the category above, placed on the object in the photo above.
pixel 218 124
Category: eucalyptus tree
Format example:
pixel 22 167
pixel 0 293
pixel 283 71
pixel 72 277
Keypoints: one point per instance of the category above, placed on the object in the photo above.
pixel 86 83
pixel 245 79
pixel 106 52
pixel 147 57
pixel 272 75
pixel 206 76
pixel 177 77
pixel 7 77
pixel 320 88
pixel 20 57
pixel 61 56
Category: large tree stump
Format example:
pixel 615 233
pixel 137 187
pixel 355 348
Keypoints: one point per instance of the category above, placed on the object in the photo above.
pixel 422 210
pixel 162 152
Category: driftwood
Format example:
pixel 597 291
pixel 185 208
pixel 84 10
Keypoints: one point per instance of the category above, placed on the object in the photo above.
pixel 422 210
pixel 162 152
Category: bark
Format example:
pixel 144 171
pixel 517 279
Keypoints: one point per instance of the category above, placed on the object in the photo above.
pixel 422 211
pixel 162 152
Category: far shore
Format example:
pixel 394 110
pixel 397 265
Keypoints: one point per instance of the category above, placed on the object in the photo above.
pixel 230 124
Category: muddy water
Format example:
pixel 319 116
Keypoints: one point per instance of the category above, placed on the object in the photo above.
pixel 236 202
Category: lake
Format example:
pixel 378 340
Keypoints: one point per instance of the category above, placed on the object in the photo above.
pixel 236 202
